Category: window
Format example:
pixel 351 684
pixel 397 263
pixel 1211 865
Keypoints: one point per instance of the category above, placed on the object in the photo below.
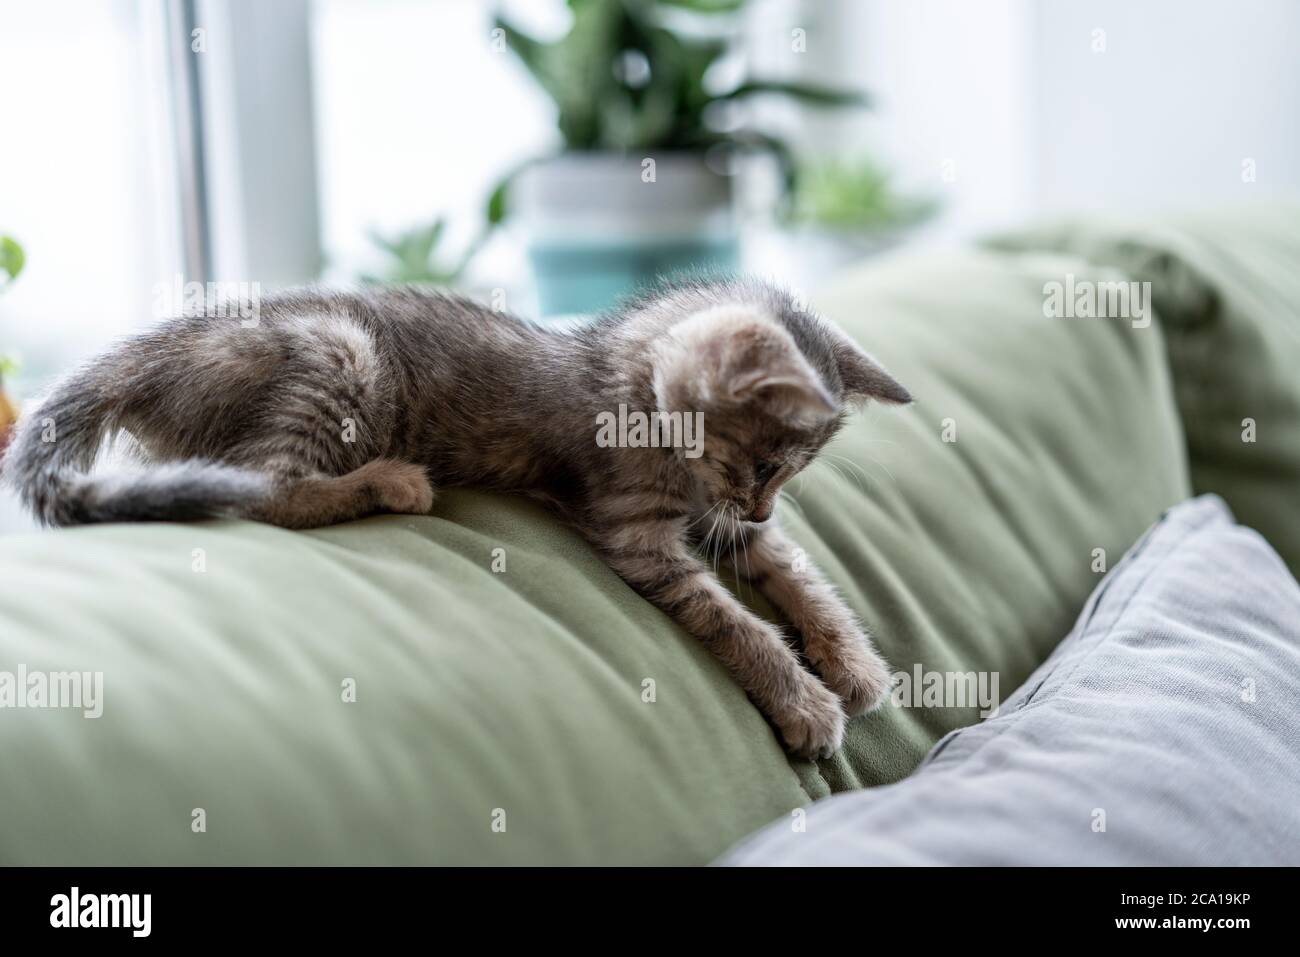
pixel 418 116
pixel 86 177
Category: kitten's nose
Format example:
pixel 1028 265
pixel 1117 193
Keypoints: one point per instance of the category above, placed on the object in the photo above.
pixel 761 513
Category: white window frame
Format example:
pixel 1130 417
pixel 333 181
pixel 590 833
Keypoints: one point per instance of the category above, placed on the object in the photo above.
pixel 241 96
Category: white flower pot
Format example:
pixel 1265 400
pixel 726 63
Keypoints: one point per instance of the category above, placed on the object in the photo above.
pixel 599 225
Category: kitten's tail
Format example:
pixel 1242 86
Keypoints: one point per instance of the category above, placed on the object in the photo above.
pixel 53 450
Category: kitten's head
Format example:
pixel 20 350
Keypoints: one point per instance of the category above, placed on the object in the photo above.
pixel 773 381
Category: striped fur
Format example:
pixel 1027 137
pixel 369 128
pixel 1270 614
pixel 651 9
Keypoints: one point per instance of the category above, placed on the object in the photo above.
pixel 336 405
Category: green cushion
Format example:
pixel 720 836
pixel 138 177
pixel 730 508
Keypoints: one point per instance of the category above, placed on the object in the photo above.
pixel 1226 285
pixel 977 554
pixel 523 691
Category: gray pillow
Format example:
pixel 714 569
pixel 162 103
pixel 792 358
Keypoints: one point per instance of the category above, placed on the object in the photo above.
pixel 1165 729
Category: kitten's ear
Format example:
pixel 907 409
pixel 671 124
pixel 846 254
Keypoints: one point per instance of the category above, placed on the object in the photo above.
pixel 864 378
pixel 736 355
pixel 788 386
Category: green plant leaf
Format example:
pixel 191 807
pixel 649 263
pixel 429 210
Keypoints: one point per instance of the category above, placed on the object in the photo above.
pixel 604 106
pixel 12 259
pixel 498 201
pixel 780 151
pixel 808 93
pixel 707 6
pixel 531 52
pixel 422 242
pixel 415 259
pixel 854 195
pixel 679 65
pixel 383 242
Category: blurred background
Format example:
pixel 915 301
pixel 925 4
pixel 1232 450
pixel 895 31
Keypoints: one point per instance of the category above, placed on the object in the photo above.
pixel 546 156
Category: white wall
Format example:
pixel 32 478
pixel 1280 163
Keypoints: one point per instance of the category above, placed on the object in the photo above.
pixel 951 106
pixel 1185 92
pixel 950 84
pixel 1031 120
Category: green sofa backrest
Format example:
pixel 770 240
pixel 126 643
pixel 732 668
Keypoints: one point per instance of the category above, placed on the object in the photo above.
pixel 378 692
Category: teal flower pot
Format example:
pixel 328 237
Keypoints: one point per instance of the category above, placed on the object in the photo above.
pixel 599 226
pixel 583 277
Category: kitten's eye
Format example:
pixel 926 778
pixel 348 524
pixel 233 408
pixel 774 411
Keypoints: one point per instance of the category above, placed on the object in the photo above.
pixel 764 471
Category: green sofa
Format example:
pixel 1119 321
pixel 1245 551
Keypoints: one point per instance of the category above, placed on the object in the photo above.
pixel 476 687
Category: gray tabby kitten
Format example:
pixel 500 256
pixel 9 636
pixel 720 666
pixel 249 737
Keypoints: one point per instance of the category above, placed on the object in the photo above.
pixel 336 405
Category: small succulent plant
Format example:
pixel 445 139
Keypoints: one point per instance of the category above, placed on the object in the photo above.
pixel 11 264
pixel 11 261
pixel 854 196
pixel 414 257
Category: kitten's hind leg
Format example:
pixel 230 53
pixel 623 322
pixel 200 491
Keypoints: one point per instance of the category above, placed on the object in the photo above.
pixel 310 501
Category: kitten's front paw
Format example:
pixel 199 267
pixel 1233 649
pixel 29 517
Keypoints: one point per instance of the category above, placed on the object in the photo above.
pixel 851 668
pixel 812 721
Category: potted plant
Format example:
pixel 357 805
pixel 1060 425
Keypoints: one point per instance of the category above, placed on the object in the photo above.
pixel 841 210
pixel 11 264
pixel 415 256
pixel 650 133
